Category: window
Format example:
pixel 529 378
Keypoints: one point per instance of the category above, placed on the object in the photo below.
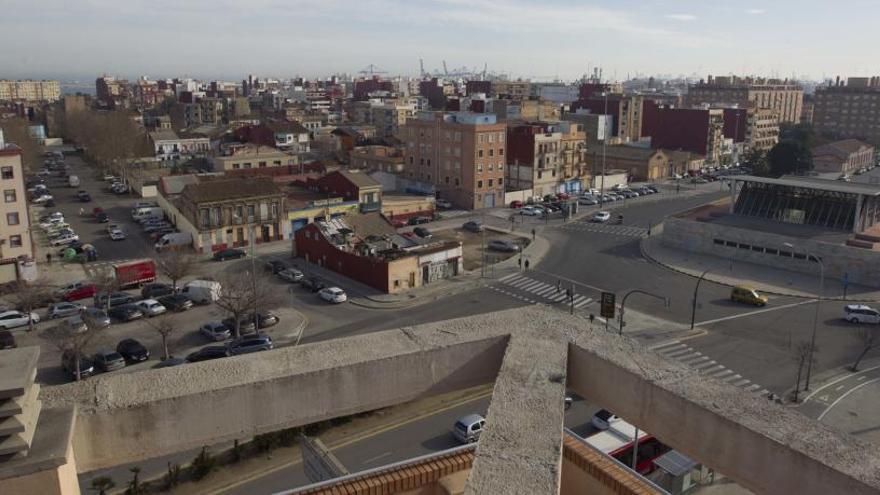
pixel 491 152
pixel 250 213
pixel 490 182
pixel 481 138
pixel 237 213
pixel 9 195
pixel 480 153
pixel 236 166
pixel 479 183
pixel 500 137
pixel 15 241
pixel 6 172
pixel 204 215
pixel 456 181
pixel 500 181
pixel 446 179
pixel 480 168
pixel 500 151
pixel 12 218
pixel 277 163
pixel 215 216
pixel 718 242
pixel 274 210
pixel 262 164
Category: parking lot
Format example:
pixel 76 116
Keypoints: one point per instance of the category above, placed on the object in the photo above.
pixel 476 245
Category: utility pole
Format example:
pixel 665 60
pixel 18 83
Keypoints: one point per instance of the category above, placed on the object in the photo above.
pixel 571 298
pixel 697 288
pixel 638 291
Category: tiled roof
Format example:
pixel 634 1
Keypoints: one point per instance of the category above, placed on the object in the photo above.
pixel 223 189
pixel 164 135
pixel 847 146
pixel 359 179
pixel 290 127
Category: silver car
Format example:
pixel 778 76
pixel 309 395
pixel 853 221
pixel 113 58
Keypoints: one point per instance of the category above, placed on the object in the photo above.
pixel 96 317
pixel 64 309
pixel 215 331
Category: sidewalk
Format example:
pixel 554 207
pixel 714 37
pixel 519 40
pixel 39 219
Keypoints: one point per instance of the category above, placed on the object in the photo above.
pixel 763 278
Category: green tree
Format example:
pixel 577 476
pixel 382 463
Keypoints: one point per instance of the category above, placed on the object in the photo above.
pixel 203 464
pixel 789 157
pixel 134 486
pixel 757 161
pixel 802 133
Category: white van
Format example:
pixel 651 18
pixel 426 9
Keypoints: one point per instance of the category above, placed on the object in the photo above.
pixel 202 291
pixel 147 212
pixel 173 240
pixel 73 181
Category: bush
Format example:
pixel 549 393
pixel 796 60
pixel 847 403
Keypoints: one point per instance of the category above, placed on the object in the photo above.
pixel 202 465
pixel 172 479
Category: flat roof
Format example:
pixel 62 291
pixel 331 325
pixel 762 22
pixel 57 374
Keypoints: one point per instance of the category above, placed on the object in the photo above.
pixel 813 183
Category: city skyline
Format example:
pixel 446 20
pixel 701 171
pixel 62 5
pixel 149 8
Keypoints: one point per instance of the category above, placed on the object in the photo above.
pixel 229 40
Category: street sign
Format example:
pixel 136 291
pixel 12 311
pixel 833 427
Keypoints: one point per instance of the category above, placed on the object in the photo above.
pixel 607 306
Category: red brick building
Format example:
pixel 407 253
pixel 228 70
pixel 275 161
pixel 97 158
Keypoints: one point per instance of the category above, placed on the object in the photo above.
pixel 363 88
pixel 351 185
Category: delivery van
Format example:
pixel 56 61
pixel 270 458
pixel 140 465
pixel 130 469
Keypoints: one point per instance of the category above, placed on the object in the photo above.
pixel 173 240
pixel 147 212
pixel 202 291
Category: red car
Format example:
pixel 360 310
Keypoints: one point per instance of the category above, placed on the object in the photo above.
pixel 516 204
pixel 398 223
pixel 79 291
pixel 97 210
pixel 563 196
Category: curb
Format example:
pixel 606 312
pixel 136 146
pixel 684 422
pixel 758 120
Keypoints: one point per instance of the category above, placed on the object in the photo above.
pixel 647 256
pixel 417 301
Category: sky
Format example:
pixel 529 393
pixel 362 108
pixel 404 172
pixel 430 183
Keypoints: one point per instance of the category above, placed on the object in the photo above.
pixel 537 39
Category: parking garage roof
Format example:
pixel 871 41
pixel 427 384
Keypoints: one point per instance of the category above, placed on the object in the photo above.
pixel 816 184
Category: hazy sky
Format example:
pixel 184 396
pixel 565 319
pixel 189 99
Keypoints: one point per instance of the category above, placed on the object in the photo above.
pixel 529 38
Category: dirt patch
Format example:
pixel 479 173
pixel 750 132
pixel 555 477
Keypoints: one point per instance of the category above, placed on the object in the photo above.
pixel 472 246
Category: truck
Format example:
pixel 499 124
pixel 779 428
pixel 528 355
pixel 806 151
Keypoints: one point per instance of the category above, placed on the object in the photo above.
pixel 202 291
pixel 73 181
pixel 173 240
pixel 135 273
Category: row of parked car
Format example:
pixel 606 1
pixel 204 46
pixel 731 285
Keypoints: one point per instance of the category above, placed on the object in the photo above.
pixel 57 230
pixel 329 293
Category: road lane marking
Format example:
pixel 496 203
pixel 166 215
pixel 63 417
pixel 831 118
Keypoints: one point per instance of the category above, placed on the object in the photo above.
pixel 845 377
pixel 673 343
pixel 839 387
pixel 376 458
pixel 861 378
pixel 844 396
pixel 752 387
pixel 756 312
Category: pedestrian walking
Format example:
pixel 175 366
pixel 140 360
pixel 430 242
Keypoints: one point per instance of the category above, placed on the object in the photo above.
pixel 520 263
pixel 527 265
pixel 533 238
pixel 558 286
pixel 82 211
pixel 49 258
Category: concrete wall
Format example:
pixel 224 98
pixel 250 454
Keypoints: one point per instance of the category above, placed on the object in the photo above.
pixel 182 408
pixel 862 266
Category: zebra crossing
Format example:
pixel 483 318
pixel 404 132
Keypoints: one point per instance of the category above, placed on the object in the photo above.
pixel 538 292
pixel 687 355
pixel 603 228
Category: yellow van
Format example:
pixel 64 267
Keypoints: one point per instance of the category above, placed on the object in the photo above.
pixel 748 295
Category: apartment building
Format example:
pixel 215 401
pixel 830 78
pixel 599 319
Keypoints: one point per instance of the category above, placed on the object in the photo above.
pixel 462 154
pixel 169 147
pixel 849 110
pixel 386 115
pixel 514 90
pixel 15 239
pixel 534 158
pixel 699 131
pixel 784 96
pixel 755 128
pixel 574 155
pixel 30 90
pixel 252 156
pixel 626 112
pixel 112 92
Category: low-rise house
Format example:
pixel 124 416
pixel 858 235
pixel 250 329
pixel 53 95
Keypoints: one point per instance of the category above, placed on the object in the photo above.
pixel 366 248
pixel 252 156
pixel 169 147
pixel 843 157
pixel 290 136
pixel 352 185
pixel 640 163
pixel 377 158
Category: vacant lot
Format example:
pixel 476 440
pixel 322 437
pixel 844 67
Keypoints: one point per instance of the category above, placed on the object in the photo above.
pixel 472 244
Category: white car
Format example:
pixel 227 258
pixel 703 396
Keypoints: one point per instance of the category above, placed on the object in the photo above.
pixel 442 203
pixel 54 227
pixel 333 294
pixel 51 222
pixel 151 307
pixel 117 235
pixel 859 313
pixel 601 217
pixel 42 199
pixel 603 419
pixel 65 240
pixel 530 211
pixel 291 275
pixel 13 318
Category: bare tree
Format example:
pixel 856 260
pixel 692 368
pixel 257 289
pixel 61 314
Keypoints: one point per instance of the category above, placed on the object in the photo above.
pixel 165 324
pixel 105 283
pixel 868 338
pixel 28 296
pixel 76 341
pixel 242 293
pixel 802 353
pixel 176 265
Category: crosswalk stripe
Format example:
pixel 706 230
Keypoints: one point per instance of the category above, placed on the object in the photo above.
pixel 546 291
pixel 680 352
pixel 532 286
pixel 740 383
pixel 583 302
pixel 753 387
pixel 508 277
pixel 764 392
pixel 558 298
pixel 721 374
pixel 732 378
pixel 713 369
pixel 521 282
pixel 673 343
pixel 690 362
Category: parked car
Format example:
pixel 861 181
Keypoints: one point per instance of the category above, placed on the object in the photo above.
pixel 246 324
pixel 116 299
pixel 419 220
pixel 68 363
pixel 266 319
pixel 290 275
pixel 531 211
pixel 84 196
pixel 246 345
pixel 468 428
pixel 588 201
pixel 175 302
pixel 603 419
pixel 503 245
pixel 102 217
pixel 423 232
pixel 229 254
pixel 7 341
pixel 601 217
pixel 151 307
pixel 64 309
pixel 859 313
pixel 117 235
pixel 64 239
pixel 42 199
pixel 202 291
pixel 473 226
pixel 154 290
pixel 276 266
pixel 109 361
pixel 313 284
pixel 77 291
pixel 207 353
pixel 516 204
pixel 75 324
pixel 133 351
pixel 97 317
pixel 126 312
pixel 14 318
pixel 442 203
pixel 333 295
pixel 215 331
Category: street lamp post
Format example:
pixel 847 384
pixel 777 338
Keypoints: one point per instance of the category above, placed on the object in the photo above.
pixel 696 289
pixel 819 296
pixel 637 291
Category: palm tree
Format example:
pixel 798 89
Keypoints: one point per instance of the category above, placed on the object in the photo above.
pixel 102 484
